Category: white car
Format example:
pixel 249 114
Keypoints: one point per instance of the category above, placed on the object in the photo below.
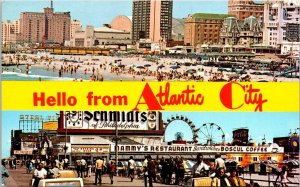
pixel 76 182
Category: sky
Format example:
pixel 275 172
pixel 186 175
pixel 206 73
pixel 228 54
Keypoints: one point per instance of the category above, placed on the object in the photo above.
pixel 99 12
pixel 259 124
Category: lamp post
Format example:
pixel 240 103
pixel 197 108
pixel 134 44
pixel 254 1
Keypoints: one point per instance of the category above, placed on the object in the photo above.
pixel 66 133
pixel 116 138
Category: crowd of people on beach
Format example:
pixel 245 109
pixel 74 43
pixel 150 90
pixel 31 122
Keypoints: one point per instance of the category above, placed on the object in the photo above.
pixel 165 69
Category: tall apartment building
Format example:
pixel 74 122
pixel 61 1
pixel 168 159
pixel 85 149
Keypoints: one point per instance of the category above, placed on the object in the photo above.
pixel 152 19
pixel 38 27
pixel 10 31
pixel 203 28
pixel 242 9
pixel 277 14
pixel 74 27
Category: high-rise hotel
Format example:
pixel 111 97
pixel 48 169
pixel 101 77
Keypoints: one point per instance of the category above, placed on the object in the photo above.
pixel 152 19
pixel 47 26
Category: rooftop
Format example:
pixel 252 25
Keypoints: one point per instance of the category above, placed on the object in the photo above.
pixel 211 16
pixel 106 29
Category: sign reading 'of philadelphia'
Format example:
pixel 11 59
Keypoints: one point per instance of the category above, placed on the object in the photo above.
pixel 106 120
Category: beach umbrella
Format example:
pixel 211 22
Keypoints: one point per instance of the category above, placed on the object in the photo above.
pixel 175 67
pixel 160 66
pixel 147 65
pixel 140 67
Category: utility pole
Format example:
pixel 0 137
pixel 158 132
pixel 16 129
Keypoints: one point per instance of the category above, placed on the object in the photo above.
pixel 116 138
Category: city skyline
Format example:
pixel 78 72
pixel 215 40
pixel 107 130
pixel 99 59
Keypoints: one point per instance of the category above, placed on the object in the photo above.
pixel 85 11
pixel 284 122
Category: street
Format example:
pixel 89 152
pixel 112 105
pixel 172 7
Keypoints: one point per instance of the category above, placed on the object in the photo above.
pixel 19 177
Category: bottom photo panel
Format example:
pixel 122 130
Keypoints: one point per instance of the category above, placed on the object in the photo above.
pixel 149 148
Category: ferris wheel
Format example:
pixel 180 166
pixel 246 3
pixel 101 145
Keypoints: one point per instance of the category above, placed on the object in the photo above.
pixel 184 119
pixel 211 134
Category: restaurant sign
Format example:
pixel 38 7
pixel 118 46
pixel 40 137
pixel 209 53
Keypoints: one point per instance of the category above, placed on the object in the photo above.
pixel 193 148
pixel 100 149
pixel 106 120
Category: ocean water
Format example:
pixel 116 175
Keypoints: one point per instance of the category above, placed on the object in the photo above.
pixel 18 74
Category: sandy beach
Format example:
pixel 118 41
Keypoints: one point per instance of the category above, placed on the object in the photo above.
pixel 133 68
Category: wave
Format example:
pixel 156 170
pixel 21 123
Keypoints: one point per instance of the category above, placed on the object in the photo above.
pixel 36 76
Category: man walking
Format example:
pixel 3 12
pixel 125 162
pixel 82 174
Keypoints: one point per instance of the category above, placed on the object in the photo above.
pixel 83 168
pixel 131 167
pixel 4 173
pixel 99 169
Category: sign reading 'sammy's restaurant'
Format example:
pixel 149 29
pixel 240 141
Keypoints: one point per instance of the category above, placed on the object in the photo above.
pixel 107 120
pixel 193 148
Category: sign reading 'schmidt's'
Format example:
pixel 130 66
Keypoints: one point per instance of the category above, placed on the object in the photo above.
pixel 106 120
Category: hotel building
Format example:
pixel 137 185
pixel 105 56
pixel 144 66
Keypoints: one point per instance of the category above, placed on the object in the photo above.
pixel 47 26
pixel 152 19
pixel 242 9
pixel 277 16
pixel 203 28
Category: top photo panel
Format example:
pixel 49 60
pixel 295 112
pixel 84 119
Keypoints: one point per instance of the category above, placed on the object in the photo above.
pixel 151 40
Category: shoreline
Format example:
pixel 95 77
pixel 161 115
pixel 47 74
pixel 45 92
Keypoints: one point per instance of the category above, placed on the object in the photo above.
pixel 111 68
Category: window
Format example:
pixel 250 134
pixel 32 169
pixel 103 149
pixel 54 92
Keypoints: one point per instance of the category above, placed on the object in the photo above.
pixel 240 159
pixel 255 159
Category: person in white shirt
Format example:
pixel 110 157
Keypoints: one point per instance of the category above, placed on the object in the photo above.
pixel 66 163
pixel 38 174
pixel 219 162
pixel 83 168
pixel 200 168
pixel 131 167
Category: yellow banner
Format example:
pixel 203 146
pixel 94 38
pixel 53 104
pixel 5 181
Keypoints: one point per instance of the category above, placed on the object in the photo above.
pixel 163 96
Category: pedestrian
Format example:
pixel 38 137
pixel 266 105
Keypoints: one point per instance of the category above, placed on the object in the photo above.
pixel 131 167
pixel 145 170
pixel 89 165
pixel 219 162
pixel 180 171
pixel 39 173
pixel 283 176
pixel 55 172
pixel 200 169
pixel 27 165
pixel 220 180
pixel 111 170
pixel 66 163
pixel 234 179
pixel 83 168
pixel 151 171
pixel 4 173
pixel 78 167
pixel 164 169
pixel 99 169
